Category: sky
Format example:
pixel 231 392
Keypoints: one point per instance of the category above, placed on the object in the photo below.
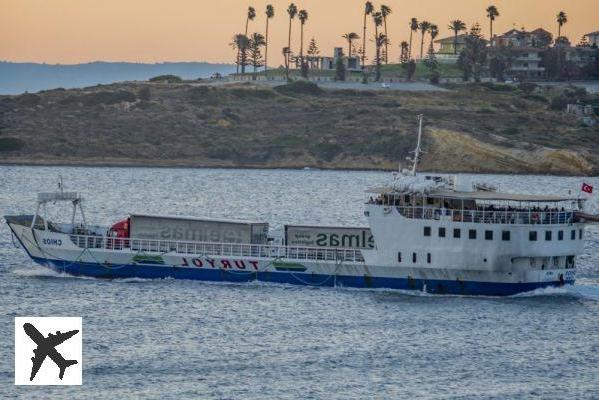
pixel 75 31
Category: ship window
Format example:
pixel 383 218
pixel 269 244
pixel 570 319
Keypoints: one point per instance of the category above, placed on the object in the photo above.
pixel 488 235
pixel 428 258
pixel 457 233
pixel 427 231
pixel 555 261
pixel 547 235
pixel 532 236
pixel 506 236
pixel 430 200
pixel 441 232
pixel 413 257
pixel 560 235
pixel 399 257
pixel 472 233
pixel 580 234
pixel 573 234
pixel 569 262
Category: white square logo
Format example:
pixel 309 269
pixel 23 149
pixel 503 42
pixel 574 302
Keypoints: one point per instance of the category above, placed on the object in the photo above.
pixel 48 350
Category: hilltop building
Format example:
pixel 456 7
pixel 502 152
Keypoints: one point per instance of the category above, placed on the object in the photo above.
pixel 593 38
pixel 450 48
pixel 329 63
pixel 526 48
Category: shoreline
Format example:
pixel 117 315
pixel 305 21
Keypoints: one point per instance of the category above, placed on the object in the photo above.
pixel 176 165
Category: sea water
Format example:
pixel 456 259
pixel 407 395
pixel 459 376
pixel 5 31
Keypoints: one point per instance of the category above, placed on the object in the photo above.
pixel 171 339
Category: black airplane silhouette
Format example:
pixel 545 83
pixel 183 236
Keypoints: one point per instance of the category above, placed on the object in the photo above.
pixel 46 347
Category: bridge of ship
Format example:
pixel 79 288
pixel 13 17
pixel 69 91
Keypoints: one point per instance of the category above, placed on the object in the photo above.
pixel 480 206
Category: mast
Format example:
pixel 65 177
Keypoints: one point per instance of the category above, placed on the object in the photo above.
pixel 418 146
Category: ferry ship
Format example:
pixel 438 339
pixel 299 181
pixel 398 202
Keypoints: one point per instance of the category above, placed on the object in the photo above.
pixel 434 234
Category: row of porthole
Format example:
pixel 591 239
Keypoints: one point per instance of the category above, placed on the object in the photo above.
pixel 505 235
pixel 415 258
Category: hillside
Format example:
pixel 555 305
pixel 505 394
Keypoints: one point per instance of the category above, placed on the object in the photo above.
pixel 485 128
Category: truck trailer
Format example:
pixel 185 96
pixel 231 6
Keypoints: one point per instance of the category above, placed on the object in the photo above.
pixel 192 229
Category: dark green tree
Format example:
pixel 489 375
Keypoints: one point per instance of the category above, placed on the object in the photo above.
pixel 241 43
pixel 410 68
pixel 340 70
pixel 474 55
pixel 500 61
pixel 255 45
pixel 404 53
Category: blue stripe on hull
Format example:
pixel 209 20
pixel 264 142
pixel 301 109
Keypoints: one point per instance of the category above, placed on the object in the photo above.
pixel 369 282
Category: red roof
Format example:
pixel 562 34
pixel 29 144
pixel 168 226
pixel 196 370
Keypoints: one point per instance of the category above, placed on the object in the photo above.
pixel 539 31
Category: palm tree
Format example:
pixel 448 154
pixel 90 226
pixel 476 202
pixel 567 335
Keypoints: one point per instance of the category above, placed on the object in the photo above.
pixel 562 18
pixel 430 60
pixel 350 37
pixel 385 12
pixel 292 11
pixel 381 40
pixel 456 26
pixel 286 53
pixel 413 28
pixel 250 17
pixel 270 13
pixel 434 31
pixel 424 27
pixel 377 18
pixel 251 14
pixel 368 9
pixel 303 17
pixel 492 13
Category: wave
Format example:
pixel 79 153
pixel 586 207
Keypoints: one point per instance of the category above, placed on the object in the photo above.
pixel 584 289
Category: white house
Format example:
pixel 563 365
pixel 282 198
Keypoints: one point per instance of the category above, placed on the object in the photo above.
pixel 593 38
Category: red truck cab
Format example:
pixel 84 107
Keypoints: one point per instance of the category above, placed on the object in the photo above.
pixel 120 231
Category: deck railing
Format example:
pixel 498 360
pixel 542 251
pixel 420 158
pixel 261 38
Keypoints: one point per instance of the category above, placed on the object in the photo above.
pixel 489 216
pixel 217 249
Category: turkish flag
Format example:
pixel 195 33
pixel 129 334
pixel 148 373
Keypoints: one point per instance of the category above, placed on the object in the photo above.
pixel 587 188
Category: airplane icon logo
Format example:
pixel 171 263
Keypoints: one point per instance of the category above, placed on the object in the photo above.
pixel 57 339
pixel 46 348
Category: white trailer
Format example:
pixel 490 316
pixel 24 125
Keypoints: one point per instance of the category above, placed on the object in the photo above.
pixel 197 229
